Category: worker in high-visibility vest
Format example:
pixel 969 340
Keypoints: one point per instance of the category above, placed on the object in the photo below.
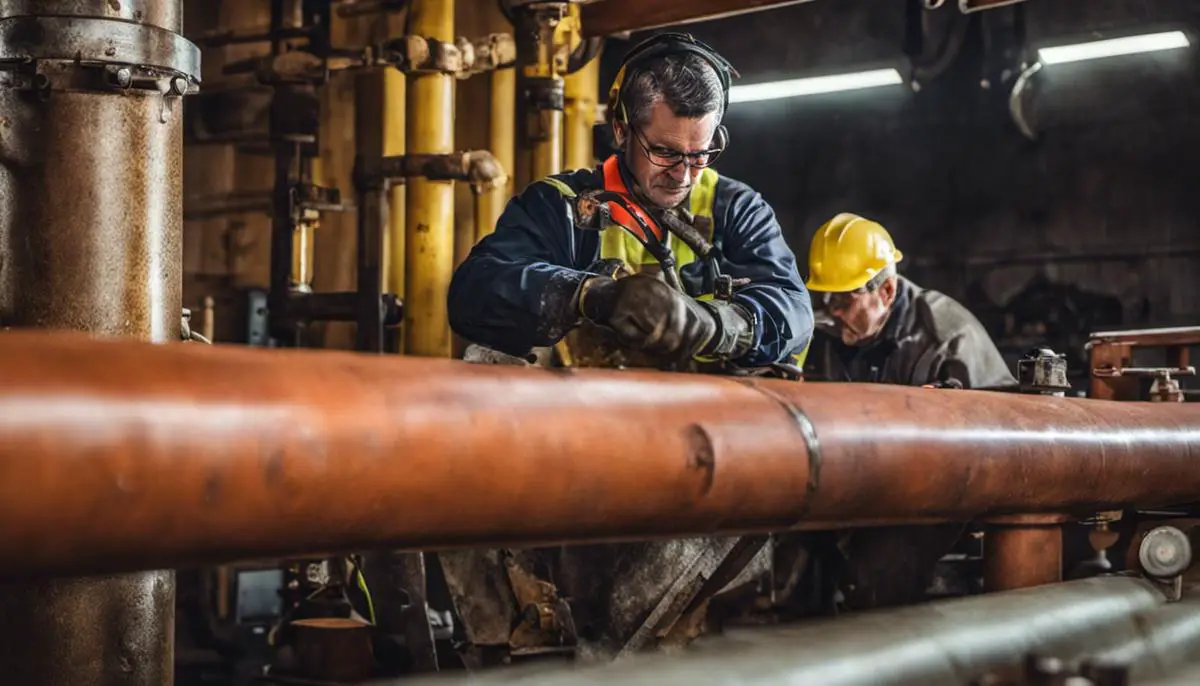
pixel 650 260
pixel 735 298
pixel 876 326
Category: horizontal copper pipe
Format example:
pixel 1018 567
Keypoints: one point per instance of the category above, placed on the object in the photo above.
pixel 118 455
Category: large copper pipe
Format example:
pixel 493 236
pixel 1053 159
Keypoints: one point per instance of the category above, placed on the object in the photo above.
pixel 164 455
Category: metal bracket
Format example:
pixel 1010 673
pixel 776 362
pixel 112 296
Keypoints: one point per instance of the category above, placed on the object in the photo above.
pixel 1110 371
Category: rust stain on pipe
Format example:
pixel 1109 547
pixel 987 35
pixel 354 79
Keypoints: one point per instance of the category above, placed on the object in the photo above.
pixel 181 454
pixel 91 225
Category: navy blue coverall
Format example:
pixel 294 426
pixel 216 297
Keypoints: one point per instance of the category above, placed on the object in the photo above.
pixel 515 290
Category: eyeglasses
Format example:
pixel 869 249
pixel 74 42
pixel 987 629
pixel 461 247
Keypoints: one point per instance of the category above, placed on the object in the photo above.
pixel 832 302
pixel 662 156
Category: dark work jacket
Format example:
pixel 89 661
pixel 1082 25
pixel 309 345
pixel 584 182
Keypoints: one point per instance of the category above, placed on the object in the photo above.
pixel 514 292
pixel 928 338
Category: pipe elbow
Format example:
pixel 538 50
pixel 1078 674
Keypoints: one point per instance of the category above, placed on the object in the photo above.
pixel 483 171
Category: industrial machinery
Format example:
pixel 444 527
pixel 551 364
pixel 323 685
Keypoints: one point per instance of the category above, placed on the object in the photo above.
pixel 342 517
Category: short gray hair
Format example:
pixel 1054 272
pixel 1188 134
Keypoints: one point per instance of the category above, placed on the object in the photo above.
pixel 687 83
pixel 877 281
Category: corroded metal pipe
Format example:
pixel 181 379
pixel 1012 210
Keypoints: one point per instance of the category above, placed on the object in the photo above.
pixel 91 107
pixel 174 454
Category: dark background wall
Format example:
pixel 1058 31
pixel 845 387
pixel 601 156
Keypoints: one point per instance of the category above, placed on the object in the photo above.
pixel 1091 225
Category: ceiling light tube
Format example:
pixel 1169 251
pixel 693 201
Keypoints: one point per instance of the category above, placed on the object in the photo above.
pixel 1150 42
pixel 814 85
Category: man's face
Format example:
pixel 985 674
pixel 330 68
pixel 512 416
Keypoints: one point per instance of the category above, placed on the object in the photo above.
pixel 665 133
pixel 860 315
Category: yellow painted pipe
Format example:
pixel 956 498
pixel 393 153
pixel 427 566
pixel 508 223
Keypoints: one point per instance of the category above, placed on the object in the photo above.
pixel 548 151
pixel 581 92
pixel 429 238
pixel 302 257
pixel 502 124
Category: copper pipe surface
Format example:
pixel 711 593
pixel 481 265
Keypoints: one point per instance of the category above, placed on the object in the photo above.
pixel 167 455
pixel 1021 556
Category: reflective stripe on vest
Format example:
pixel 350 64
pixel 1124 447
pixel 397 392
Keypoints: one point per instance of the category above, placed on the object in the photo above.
pixel 616 243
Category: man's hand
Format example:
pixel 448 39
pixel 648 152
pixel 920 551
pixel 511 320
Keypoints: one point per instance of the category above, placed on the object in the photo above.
pixel 649 315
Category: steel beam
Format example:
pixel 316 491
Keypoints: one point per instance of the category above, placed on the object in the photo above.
pixel 618 16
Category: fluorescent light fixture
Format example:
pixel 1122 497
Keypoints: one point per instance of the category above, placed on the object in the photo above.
pixel 814 85
pixel 1150 42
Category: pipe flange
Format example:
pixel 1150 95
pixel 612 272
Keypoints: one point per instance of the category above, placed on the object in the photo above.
pixel 99 41
pixel 545 93
pixel 1165 552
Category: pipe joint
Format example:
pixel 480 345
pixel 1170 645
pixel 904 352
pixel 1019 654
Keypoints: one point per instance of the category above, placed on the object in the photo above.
pixel 545 94
pixel 493 51
pixel 480 168
pixel 462 58
pixel 421 55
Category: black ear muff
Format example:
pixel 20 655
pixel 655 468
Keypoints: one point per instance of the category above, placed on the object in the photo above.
pixel 721 138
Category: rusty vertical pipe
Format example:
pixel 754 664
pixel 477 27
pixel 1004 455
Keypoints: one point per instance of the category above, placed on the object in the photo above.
pixel 429 238
pixel 369 143
pixel 1022 555
pixel 91 219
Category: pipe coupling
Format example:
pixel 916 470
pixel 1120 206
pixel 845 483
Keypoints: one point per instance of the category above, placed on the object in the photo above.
pixel 545 93
pixel 95 53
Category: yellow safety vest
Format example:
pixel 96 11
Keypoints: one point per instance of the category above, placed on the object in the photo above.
pixel 617 243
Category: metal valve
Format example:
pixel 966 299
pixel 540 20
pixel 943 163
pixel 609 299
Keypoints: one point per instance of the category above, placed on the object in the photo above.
pixel 1165 552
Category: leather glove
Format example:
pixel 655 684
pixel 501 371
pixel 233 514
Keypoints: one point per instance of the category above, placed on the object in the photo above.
pixel 649 315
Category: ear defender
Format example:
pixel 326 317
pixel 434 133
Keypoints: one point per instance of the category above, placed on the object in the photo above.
pixel 661 45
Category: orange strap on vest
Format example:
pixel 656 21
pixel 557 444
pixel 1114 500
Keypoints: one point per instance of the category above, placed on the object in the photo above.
pixel 621 215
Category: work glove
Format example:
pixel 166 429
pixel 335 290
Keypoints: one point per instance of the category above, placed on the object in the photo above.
pixel 649 315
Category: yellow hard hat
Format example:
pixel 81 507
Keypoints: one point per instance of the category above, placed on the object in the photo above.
pixel 846 252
